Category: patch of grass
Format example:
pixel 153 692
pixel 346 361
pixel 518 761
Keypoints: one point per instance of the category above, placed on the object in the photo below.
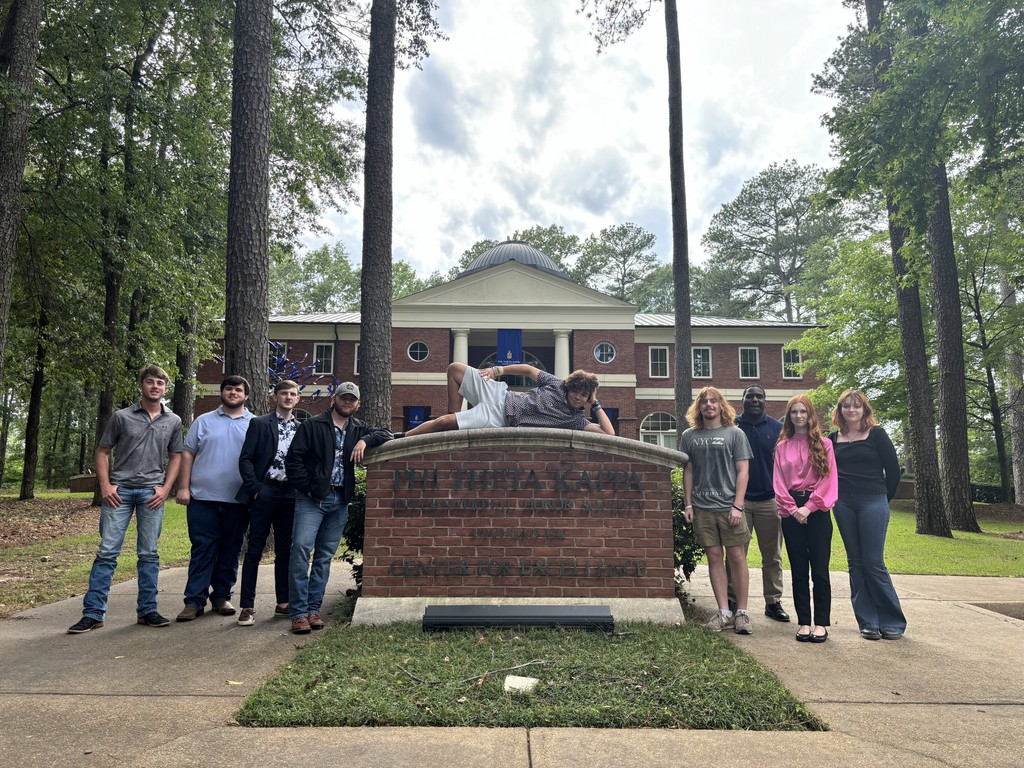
pixel 56 569
pixel 645 676
pixel 967 554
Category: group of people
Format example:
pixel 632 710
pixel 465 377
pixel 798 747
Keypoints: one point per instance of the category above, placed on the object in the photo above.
pixel 237 473
pixel 781 480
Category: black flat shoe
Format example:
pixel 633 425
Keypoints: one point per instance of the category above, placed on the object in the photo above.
pixel 819 638
pixel 871 634
pixel 803 638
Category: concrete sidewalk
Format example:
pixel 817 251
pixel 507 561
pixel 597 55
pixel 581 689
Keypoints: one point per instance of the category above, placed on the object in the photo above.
pixel 950 693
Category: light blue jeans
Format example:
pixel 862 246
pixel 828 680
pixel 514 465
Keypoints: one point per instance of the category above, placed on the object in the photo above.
pixel 317 530
pixel 113 526
pixel 863 519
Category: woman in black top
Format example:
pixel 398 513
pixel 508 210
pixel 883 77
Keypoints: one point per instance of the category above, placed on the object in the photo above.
pixel 869 474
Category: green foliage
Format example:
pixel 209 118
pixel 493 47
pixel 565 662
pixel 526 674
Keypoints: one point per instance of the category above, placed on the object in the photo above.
pixel 644 676
pixel 355 527
pixel 685 549
pixel 761 244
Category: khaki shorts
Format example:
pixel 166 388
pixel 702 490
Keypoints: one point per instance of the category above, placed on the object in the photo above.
pixel 713 530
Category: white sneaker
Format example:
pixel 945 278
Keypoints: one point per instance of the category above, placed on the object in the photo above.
pixel 247 617
pixel 741 623
pixel 720 621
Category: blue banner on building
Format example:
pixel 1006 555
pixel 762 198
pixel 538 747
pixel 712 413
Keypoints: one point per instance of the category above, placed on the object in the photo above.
pixel 510 347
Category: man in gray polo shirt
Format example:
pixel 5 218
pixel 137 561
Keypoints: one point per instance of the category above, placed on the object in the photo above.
pixel 209 484
pixel 554 403
pixel 139 437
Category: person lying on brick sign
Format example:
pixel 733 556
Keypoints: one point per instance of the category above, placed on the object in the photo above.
pixel 555 403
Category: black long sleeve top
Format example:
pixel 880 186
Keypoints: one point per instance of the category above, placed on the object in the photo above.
pixel 867 466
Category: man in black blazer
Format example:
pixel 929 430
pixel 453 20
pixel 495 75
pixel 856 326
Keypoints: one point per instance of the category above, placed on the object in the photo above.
pixel 265 487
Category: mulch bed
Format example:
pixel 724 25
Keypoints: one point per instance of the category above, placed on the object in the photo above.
pixel 35 520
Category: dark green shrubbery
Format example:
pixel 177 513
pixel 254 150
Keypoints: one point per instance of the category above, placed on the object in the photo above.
pixel 684 544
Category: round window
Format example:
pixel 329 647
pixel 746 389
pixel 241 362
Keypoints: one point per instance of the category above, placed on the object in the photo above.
pixel 418 351
pixel 604 352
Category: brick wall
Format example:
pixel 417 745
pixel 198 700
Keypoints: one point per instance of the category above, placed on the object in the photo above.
pixel 517 520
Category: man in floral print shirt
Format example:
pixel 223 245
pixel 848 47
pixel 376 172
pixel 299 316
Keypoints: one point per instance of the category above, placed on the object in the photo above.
pixel 265 487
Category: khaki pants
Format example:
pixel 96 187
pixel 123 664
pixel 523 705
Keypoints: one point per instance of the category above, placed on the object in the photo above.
pixel 763 520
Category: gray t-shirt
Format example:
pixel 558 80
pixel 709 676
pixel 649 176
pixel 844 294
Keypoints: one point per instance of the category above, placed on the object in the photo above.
pixel 140 445
pixel 713 455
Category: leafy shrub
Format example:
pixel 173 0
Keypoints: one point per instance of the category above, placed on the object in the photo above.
pixel 355 526
pixel 685 548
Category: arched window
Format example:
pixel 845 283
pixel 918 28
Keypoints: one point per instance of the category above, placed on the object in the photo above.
pixel 514 382
pixel 659 429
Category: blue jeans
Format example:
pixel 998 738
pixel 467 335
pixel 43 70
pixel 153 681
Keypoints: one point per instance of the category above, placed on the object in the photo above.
pixel 216 530
pixel 863 519
pixel 317 531
pixel 113 526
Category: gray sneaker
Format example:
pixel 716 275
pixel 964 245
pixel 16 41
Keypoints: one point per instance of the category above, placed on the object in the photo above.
pixel 741 623
pixel 720 621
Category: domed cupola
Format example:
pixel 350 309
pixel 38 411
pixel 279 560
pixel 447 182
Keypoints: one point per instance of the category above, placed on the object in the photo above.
pixel 514 250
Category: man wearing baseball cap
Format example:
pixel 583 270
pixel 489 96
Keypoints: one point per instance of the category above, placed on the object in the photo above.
pixel 320 466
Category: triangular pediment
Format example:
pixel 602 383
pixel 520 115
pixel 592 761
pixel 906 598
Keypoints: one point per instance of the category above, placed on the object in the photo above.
pixel 513 285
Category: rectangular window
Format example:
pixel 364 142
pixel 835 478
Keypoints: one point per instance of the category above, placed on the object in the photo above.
pixel 323 361
pixel 791 360
pixel 659 362
pixel 749 368
pixel 702 362
pixel 355 368
pixel 277 356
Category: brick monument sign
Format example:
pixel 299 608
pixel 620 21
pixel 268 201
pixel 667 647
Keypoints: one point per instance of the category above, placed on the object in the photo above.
pixel 518 516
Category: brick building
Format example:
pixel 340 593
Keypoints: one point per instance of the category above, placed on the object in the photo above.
pixel 513 304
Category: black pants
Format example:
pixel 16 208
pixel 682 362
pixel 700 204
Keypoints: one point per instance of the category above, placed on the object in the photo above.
pixel 273 506
pixel 810 544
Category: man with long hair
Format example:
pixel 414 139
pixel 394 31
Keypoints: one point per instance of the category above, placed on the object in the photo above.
pixel 714 484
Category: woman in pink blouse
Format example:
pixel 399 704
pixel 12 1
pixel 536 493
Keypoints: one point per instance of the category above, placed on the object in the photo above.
pixel 806 487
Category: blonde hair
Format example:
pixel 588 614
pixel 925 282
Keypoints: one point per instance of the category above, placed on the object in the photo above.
pixel 696 418
pixel 866 422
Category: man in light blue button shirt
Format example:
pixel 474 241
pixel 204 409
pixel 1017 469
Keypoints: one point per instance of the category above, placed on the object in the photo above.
pixel 208 484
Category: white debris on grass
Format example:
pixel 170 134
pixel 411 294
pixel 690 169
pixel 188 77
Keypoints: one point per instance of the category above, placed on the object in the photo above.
pixel 517 684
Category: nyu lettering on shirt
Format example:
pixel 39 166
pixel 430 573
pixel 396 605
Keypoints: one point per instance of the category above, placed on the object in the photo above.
pixel 713 455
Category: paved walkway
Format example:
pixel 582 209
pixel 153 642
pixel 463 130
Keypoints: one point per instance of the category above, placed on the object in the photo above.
pixel 951 693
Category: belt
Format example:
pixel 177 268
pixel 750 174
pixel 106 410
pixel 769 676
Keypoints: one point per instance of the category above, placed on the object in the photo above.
pixel 276 483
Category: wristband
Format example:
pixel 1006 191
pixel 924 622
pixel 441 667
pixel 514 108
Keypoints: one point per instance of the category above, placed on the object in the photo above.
pixel 688 506
pixel 595 406
pixel 738 509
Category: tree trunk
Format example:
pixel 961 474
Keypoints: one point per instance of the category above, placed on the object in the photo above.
pixel 184 398
pixel 17 64
pixel 928 510
pixel 375 325
pixel 1015 403
pixel 35 407
pixel 247 311
pixel 680 235
pixel 5 429
pixel 949 334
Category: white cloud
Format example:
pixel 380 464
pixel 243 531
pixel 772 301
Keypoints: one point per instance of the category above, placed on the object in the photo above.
pixel 516 120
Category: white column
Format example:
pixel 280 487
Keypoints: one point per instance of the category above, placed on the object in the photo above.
pixel 561 353
pixel 460 349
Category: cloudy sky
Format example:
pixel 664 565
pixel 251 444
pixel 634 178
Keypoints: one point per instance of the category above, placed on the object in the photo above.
pixel 516 121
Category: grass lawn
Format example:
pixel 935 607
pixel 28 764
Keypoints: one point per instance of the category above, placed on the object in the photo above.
pixel 54 569
pixel 644 676
pixel 967 554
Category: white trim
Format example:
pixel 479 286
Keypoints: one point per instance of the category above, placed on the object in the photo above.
pixel 711 363
pixel 611 346
pixel 650 361
pixel 316 357
pixel 355 361
pixel 408 350
pixel 800 359
pixel 739 360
